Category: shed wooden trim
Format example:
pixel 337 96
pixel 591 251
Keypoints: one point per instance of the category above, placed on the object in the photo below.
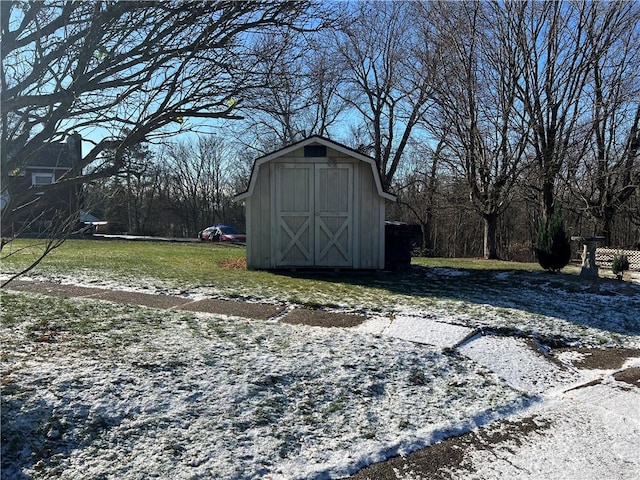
pixel 322 141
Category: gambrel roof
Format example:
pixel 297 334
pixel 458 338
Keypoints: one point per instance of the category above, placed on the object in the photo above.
pixel 319 140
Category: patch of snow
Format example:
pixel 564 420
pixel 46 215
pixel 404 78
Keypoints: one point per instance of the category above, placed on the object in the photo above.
pixel 631 363
pixel 427 331
pixel 570 356
pixel 445 272
pixel 514 360
pixel 592 433
pixel 503 275
pixel 374 324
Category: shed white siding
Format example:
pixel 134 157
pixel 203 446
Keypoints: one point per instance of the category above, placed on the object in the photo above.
pixel 315 211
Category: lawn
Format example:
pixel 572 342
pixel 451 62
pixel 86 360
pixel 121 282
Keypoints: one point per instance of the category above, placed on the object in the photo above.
pixel 221 269
pixel 188 263
pixel 505 296
pixel 95 389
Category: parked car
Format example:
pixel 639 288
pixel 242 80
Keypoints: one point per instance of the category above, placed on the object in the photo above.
pixel 205 234
pixel 222 233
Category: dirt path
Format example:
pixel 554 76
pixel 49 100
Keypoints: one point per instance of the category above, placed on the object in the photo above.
pixel 235 308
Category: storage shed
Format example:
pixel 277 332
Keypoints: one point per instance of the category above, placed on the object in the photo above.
pixel 315 204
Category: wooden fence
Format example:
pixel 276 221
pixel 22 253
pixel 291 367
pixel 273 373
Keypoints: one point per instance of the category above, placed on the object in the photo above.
pixel 604 257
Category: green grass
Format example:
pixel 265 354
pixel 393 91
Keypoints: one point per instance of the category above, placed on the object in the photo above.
pixel 182 261
pixel 186 262
pixel 221 268
pixel 475 264
pixel 476 292
pixel 47 321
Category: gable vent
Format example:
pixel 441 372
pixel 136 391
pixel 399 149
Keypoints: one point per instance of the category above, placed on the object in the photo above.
pixel 315 151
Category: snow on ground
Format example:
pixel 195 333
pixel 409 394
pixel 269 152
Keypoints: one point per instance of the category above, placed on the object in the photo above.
pixel 127 392
pixel 591 423
pixel 535 305
pixel 513 359
pixel 104 391
pixel 427 331
pixel 519 364
pixel 591 433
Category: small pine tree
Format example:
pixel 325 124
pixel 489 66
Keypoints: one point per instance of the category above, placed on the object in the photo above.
pixel 552 246
pixel 620 265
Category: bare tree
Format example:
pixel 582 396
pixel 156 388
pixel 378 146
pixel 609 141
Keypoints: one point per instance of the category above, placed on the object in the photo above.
pixel 137 163
pixel 607 170
pixel 552 39
pixel 418 188
pixel 121 73
pixel 390 63
pixel 477 101
pixel 299 96
pixel 197 183
pixel 128 198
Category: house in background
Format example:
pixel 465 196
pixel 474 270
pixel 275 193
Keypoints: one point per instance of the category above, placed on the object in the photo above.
pixel 315 204
pixel 32 208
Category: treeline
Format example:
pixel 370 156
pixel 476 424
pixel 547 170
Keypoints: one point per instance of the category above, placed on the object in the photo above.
pixel 192 186
pixel 174 191
pixel 483 117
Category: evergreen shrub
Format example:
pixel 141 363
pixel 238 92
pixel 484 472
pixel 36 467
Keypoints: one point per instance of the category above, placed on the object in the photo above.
pixel 552 246
pixel 620 265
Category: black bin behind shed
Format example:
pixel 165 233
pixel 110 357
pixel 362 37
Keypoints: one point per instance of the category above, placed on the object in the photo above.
pixel 399 241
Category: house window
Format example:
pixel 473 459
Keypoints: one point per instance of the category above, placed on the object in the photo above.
pixel 42 179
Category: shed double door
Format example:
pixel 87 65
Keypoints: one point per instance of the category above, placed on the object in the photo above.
pixel 314 215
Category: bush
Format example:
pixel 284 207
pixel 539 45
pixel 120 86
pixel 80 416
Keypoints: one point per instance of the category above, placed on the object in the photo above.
pixel 552 246
pixel 620 265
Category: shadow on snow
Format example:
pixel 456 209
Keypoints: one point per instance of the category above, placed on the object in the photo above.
pixel 607 304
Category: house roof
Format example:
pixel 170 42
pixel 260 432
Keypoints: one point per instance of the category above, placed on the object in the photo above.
pixel 52 155
pixel 319 140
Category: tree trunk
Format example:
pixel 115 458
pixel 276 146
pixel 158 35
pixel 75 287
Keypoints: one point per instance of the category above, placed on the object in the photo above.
pixel 606 224
pixel 427 244
pixel 547 199
pixel 490 236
